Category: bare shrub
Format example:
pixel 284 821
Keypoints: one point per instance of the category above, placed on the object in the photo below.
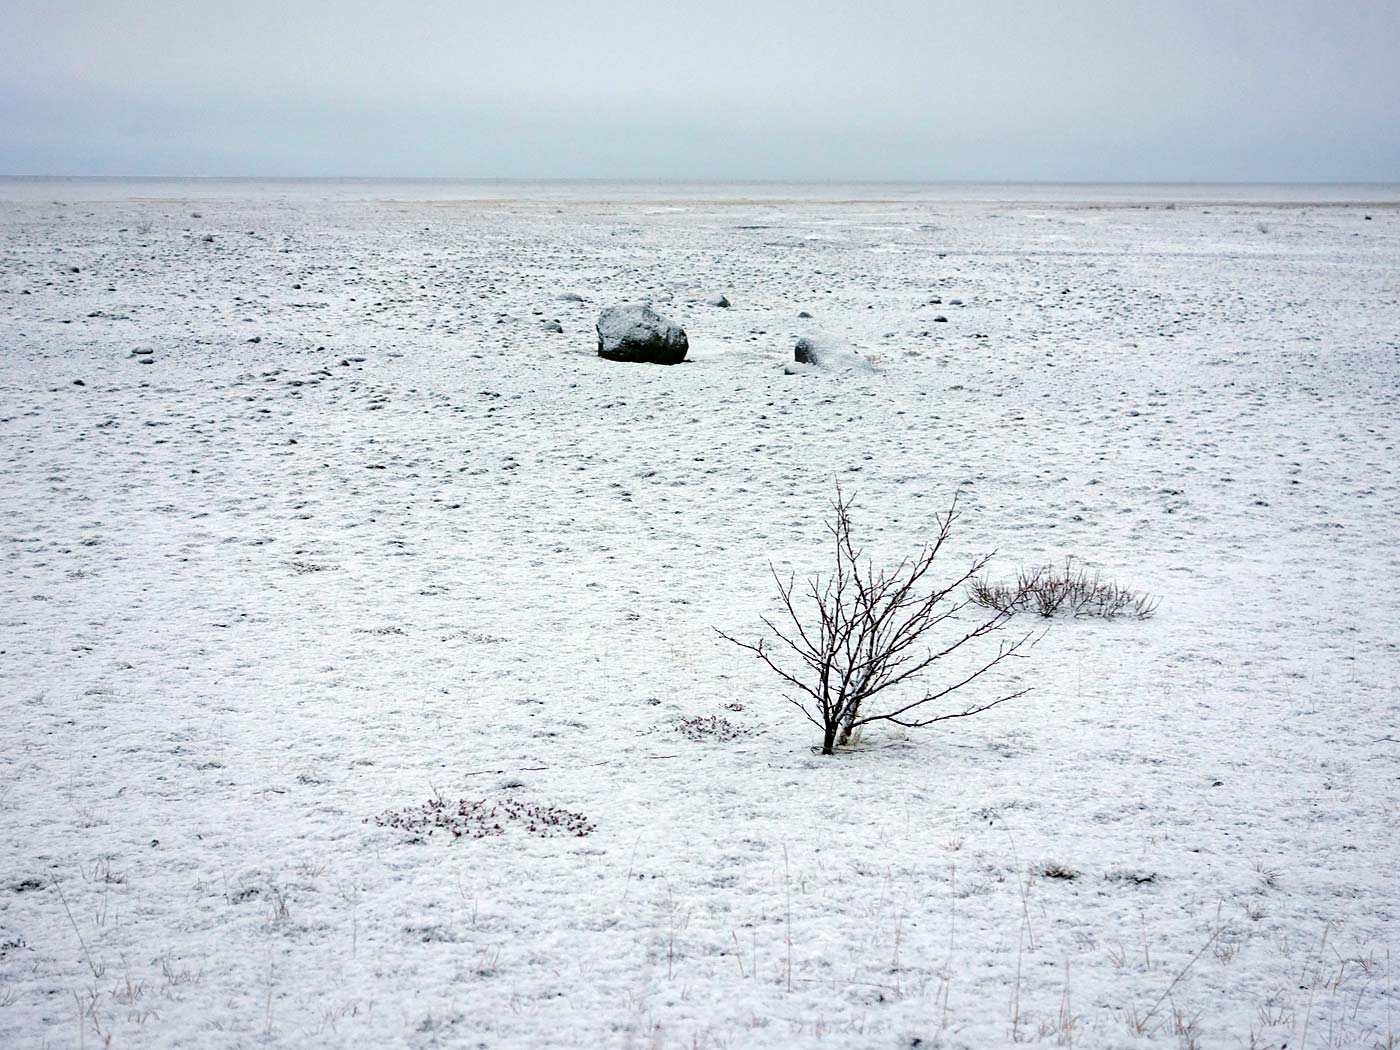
pixel 867 647
pixel 1070 588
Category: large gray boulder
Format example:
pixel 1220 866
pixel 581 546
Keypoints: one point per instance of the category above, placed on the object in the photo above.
pixel 636 332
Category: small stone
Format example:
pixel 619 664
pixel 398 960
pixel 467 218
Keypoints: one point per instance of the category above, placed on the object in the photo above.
pixel 803 313
pixel 819 352
pixel 717 300
pixel 941 318
pixel 79 382
pixel 553 326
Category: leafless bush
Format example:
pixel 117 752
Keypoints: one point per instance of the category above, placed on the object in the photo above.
pixel 1070 588
pixel 867 647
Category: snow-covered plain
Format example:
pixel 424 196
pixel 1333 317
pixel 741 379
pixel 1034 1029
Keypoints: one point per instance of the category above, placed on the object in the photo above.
pixel 364 533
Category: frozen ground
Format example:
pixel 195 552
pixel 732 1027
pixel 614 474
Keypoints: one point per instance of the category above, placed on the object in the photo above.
pixel 365 533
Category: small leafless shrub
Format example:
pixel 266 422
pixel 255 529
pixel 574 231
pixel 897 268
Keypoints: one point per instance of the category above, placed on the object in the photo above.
pixel 482 818
pixel 711 728
pixel 1051 590
pixel 863 651
pixel 1053 869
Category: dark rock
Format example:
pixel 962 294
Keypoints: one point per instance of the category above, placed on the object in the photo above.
pixel 636 332
pixel 803 313
pixel 717 300
pixel 940 317
pixel 818 352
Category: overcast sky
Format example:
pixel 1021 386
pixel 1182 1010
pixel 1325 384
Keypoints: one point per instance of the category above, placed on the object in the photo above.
pixel 1099 90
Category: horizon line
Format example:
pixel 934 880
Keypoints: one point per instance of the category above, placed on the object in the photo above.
pixel 727 180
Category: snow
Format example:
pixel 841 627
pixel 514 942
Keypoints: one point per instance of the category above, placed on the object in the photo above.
pixel 407 545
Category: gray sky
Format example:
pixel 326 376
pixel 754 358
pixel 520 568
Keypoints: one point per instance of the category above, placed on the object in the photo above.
pixel 1270 90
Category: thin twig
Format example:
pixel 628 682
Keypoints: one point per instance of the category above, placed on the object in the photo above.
pixel 86 954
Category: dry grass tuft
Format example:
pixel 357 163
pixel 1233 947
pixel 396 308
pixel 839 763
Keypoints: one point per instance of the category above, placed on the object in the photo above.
pixel 483 818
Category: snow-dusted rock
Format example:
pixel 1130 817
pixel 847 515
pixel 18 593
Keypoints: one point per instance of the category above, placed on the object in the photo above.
pixel 825 354
pixel 718 300
pixel 636 332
